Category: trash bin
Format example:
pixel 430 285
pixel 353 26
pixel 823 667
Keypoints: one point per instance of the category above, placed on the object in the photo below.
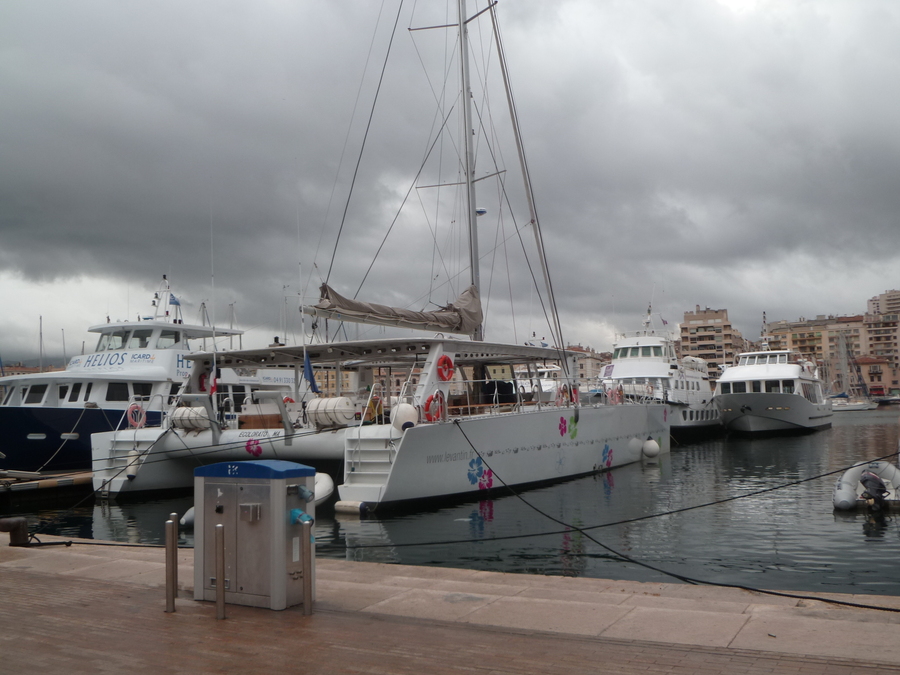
pixel 262 505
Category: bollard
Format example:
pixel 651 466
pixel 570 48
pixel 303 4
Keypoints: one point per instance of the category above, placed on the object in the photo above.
pixel 171 564
pixel 307 565
pixel 220 571
pixel 17 528
pixel 174 518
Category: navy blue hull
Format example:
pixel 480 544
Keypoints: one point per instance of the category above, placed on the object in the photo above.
pixel 53 453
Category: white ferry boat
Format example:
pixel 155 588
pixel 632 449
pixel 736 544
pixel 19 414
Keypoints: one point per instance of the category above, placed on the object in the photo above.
pixel 773 391
pixel 135 372
pixel 645 367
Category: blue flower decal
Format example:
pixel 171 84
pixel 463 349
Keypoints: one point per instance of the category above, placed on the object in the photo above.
pixel 476 470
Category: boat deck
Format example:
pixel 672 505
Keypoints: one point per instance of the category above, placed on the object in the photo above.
pixel 93 608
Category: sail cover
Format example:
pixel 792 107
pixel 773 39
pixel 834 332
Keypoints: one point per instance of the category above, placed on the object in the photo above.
pixel 462 316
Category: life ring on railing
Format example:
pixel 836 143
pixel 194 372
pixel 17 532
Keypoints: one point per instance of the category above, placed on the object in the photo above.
pixel 649 390
pixel 434 406
pixel 445 367
pixel 562 395
pixel 288 399
pixel 136 415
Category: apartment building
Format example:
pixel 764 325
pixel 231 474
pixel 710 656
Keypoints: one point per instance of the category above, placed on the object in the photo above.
pixel 708 334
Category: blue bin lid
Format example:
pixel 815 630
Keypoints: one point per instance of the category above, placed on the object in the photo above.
pixel 255 468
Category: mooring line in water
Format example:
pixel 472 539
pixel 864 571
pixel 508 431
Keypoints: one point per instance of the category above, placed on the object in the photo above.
pixel 674 575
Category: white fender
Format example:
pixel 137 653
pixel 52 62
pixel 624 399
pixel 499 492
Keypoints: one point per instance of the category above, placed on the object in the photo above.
pixel 132 468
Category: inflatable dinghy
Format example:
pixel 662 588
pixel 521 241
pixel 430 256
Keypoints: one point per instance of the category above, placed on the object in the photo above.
pixel 868 485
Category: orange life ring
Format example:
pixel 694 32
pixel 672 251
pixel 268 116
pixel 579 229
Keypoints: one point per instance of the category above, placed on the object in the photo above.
pixel 434 406
pixel 137 417
pixel 445 367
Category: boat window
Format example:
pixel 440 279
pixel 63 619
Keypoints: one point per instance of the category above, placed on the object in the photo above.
pixel 773 387
pixel 635 351
pixel 756 386
pixel 173 391
pixel 782 358
pixel 140 338
pixel 76 390
pixel 36 393
pixel 63 390
pixel 239 394
pixel 9 395
pixel 117 391
pixel 168 338
pixel 787 386
pixel 739 387
pixel 112 340
pixel 87 390
pixel 657 351
pixel 745 360
pixel 143 389
pixel 646 351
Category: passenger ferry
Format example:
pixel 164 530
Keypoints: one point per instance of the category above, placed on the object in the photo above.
pixel 772 392
pixel 136 370
pixel 645 368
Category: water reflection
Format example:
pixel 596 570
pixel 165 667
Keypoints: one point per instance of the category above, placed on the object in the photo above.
pixel 786 539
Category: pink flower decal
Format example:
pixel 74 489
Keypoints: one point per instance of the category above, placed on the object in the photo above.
pixel 486 481
pixel 253 447
pixel 562 426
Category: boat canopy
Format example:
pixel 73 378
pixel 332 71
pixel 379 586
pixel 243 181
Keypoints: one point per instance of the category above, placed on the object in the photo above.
pixel 462 316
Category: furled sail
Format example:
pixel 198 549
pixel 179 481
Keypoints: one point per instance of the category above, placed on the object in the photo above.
pixel 462 316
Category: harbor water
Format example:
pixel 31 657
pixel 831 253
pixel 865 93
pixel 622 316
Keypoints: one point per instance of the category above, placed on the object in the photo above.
pixel 728 510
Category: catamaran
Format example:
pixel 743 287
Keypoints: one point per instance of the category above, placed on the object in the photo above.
pixel 442 413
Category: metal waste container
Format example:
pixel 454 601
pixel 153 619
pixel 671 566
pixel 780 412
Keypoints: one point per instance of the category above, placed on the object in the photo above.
pixel 262 505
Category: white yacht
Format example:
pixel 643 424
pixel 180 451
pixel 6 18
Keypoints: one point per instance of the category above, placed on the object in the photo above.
pixel 772 392
pixel 458 424
pixel 135 372
pixel 645 367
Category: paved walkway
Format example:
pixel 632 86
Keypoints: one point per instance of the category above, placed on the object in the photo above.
pixel 96 609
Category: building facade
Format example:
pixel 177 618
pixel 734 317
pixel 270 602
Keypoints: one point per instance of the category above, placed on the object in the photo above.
pixel 708 334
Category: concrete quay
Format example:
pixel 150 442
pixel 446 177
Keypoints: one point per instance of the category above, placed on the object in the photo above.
pixel 93 608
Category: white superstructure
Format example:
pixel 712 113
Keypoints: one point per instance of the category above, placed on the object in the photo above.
pixel 645 368
pixel 772 391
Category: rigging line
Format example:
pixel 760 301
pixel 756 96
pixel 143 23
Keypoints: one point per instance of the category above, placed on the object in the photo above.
pixel 337 172
pixel 405 199
pixel 45 524
pixel 686 579
pixel 514 115
pixel 363 146
pixel 680 577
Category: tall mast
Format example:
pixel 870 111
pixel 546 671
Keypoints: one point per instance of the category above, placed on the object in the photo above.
pixel 556 327
pixel 469 157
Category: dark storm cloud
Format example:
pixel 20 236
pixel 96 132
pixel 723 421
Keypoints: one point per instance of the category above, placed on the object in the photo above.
pixel 736 155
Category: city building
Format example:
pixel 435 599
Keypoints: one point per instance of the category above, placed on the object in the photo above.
pixel 708 334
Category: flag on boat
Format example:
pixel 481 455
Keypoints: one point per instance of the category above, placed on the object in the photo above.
pixel 308 374
pixel 173 300
pixel 665 323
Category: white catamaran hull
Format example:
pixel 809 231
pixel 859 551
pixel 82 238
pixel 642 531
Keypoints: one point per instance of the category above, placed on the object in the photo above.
pixel 383 464
pixel 513 449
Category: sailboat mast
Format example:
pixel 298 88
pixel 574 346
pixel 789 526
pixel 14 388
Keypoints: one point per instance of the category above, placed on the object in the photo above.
pixel 556 328
pixel 469 157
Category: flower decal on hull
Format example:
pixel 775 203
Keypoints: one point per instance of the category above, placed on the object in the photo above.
pixel 481 475
pixel 253 447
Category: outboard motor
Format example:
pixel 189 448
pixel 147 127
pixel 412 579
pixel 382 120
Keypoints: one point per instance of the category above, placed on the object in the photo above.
pixel 875 490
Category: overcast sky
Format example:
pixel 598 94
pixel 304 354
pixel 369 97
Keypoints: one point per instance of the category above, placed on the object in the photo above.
pixel 729 154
